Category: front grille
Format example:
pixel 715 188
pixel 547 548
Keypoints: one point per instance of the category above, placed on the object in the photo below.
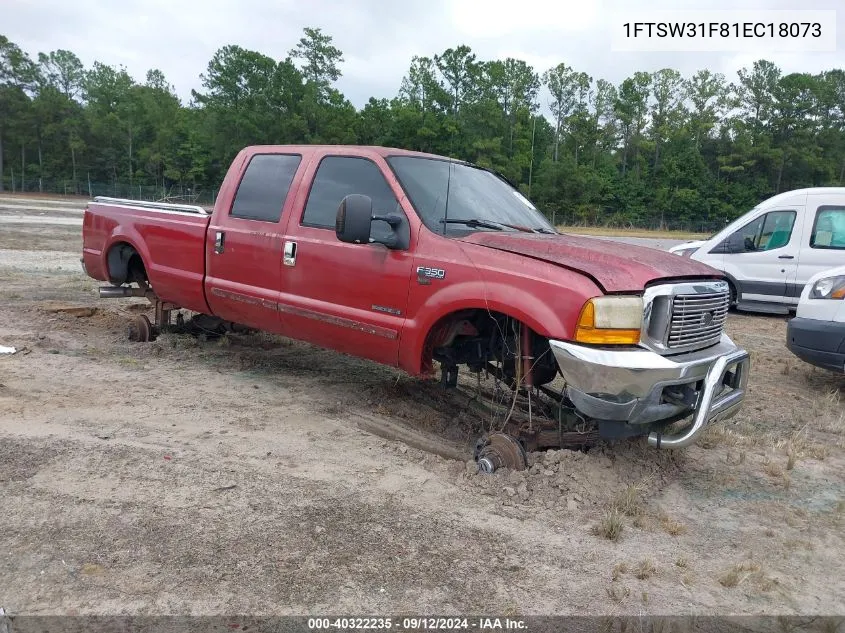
pixel 697 319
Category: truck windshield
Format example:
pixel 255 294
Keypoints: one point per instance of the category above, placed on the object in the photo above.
pixel 473 199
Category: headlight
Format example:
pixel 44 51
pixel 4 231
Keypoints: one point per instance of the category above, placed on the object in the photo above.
pixel 610 321
pixel 686 252
pixel 829 288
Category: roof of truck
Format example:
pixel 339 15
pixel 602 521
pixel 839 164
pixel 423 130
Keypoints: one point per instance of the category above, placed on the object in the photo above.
pixel 342 149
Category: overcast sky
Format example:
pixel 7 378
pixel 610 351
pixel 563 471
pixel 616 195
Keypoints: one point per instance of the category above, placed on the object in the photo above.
pixel 377 37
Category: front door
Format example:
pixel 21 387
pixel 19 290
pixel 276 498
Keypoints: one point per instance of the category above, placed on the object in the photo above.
pixel 348 297
pixel 768 257
pixel 244 246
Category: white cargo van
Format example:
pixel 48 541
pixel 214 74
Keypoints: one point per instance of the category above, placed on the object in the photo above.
pixel 770 253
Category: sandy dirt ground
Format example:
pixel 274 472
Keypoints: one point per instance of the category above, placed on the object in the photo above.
pixel 242 475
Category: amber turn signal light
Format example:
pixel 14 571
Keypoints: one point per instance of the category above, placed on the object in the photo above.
pixel 610 321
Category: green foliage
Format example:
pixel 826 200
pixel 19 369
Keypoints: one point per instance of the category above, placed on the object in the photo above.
pixel 659 149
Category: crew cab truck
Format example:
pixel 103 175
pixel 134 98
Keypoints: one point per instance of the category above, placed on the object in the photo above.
pixel 406 258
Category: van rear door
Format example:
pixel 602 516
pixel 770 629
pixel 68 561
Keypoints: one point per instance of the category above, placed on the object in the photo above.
pixel 823 244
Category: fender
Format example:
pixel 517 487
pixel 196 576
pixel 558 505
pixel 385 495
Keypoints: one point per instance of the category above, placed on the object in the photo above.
pixel 494 296
pixel 129 235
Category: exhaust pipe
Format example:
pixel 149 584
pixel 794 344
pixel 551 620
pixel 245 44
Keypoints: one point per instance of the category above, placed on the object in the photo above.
pixel 119 292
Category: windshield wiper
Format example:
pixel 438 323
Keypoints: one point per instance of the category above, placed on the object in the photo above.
pixel 474 223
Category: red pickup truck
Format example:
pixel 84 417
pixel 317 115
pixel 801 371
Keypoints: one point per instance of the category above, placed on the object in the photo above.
pixel 407 258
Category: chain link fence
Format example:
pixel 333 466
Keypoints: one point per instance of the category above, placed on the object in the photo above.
pixel 91 189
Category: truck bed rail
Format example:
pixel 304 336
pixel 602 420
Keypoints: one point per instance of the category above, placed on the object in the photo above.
pixel 153 206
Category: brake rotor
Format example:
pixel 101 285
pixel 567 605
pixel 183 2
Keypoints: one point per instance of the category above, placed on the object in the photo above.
pixel 140 330
pixel 500 450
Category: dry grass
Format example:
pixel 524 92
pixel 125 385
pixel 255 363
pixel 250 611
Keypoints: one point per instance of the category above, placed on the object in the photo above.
pixel 629 502
pixel 610 526
pixel 607 231
pixel 798 445
pixel 738 574
pixel 672 526
pixel 619 570
pixel 772 468
pixel 721 435
pixel 618 593
pixel 645 569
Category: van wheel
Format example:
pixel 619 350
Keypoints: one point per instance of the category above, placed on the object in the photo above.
pixel 732 289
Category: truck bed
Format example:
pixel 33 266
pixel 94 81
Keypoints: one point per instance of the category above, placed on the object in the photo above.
pixel 169 237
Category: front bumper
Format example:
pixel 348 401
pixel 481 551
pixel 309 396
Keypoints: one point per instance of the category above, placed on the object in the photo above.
pixel 641 387
pixel 820 343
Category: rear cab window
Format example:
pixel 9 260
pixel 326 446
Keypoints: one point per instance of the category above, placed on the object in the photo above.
pixel 264 187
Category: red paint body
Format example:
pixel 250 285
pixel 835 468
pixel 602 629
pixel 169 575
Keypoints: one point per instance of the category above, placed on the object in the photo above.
pixel 328 297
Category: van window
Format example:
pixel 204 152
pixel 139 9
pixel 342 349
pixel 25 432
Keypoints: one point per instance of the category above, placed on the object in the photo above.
pixel 829 229
pixel 765 233
pixel 777 230
pixel 264 187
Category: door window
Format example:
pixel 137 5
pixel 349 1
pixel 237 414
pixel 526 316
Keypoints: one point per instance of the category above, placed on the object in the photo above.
pixel 829 229
pixel 339 176
pixel 777 230
pixel 264 187
pixel 768 232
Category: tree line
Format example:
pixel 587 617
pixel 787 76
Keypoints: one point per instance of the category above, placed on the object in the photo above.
pixel 658 150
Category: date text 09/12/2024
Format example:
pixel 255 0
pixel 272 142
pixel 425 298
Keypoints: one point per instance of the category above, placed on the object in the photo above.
pixel 416 624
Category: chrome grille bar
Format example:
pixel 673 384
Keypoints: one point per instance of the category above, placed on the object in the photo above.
pixel 697 319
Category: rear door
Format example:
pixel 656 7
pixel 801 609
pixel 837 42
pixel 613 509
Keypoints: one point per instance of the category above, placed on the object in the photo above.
pixel 244 244
pixel 348 297
pixel 823 245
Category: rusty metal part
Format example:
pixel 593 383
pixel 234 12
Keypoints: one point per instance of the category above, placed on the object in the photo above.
pixel 527 357
pixel 119 292
pixel 545 434
pixel 500 450
pixel 163 310
pixel 140 329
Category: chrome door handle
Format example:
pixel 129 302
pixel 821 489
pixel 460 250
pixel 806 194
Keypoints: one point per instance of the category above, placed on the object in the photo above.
pixel 219 239
pixel 290 254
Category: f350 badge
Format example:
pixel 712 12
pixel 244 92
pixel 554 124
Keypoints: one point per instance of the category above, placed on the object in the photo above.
pixel 425 274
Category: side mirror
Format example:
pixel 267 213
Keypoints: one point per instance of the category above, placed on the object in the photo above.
pixel 354 223
pixel 354 219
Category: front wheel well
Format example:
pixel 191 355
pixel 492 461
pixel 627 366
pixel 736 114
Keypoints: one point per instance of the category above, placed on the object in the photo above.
pixel 477 336
pixel 125 265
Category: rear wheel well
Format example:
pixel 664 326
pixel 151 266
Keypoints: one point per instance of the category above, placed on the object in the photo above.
pixel 125 265
pixel 477 336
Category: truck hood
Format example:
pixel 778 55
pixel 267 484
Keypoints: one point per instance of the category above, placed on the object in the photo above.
pixel 614 266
